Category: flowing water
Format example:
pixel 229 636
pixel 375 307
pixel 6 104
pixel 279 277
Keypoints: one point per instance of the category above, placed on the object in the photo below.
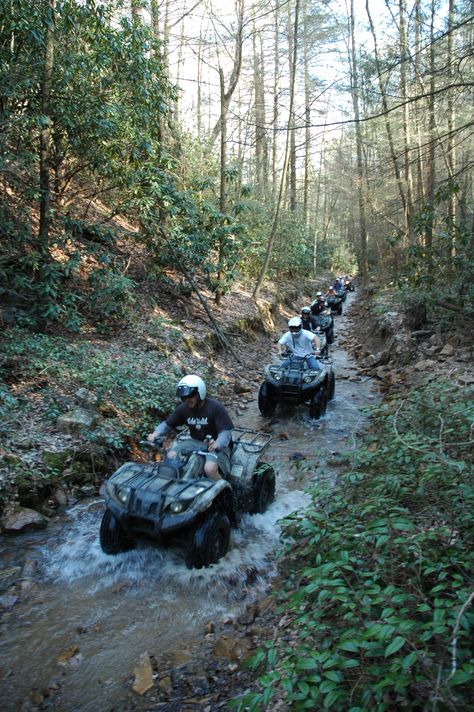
pixel 84 618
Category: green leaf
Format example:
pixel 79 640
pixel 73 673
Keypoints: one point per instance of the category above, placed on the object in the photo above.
pixel 394 646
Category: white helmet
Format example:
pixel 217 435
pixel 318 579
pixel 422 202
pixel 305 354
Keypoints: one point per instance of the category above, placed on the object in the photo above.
pixel 319 294
pixel 190 385
pixel 295 324
pixel 306 310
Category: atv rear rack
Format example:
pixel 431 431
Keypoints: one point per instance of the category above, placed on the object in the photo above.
pixel 251 441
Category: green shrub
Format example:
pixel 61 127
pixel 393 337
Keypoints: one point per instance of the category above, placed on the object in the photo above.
pixel 380 571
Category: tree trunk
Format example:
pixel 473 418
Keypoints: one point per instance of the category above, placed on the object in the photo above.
pixel 406 118
pixel 388 127
pixel 362 252
pixel 292 172
pixel 45 133
pixel 271 238
pixel 276 83
pixel 431 169
pixel 222 194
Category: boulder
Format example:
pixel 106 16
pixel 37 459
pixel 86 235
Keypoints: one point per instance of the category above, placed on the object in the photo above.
pixel 76 419
pixel 24 519
pixel 447 350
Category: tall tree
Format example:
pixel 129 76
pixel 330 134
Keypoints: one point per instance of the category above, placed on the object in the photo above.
pixel 271 238
pixel 46 122
pixel 362 242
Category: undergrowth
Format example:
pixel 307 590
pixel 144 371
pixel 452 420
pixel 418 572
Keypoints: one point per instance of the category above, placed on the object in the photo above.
pixel 129 387
pixel 379 572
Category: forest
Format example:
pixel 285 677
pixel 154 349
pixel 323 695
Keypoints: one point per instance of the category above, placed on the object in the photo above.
pixel 159 157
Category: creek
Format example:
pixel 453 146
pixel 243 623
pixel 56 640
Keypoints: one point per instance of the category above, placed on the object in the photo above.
pixel 83 618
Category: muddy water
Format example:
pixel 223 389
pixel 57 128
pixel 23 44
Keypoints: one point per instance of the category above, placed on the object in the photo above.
pixel 84 618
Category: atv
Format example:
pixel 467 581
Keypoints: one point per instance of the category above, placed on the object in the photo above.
pixel 326 323
pixel 170 502
pixel 334 302
pixel 292 382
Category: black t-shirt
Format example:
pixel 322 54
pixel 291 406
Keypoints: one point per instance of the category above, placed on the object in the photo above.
pixel 211 419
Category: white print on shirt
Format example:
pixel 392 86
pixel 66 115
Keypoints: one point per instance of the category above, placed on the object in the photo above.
pixel 197 422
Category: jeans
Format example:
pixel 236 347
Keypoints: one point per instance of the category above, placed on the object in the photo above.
pixel 311 360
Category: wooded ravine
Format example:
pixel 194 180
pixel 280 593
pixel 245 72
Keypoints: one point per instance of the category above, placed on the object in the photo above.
pixel 178 179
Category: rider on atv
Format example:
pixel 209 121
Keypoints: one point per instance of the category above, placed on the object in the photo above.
pixel 301 343
pixel 207 420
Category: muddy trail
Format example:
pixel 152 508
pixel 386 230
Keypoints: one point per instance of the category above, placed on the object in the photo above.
pixel 84 619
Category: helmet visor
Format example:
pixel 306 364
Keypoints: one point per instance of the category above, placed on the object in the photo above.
pixel 185 391
pixel 295 329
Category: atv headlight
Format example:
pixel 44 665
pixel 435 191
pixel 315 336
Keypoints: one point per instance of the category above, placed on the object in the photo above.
pixel 176 507
pixel 122 493
pixel 309 378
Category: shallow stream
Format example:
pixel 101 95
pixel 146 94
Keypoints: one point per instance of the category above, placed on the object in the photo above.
pixel 84 618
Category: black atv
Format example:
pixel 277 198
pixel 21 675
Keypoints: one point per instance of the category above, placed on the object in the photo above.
pixel 296 383
pixel 170 502
pixel 334 303
pixel 326 323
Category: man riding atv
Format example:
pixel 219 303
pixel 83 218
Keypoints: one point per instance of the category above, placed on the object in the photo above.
pixel 207 420
pixel 301 343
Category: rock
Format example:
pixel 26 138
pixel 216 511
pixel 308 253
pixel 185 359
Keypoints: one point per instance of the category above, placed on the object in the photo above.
pixel 240 387
pixel 8 601
pixel 143 675
pixel 447 350
pixel 85 397
pixel 424 365
pixel 8 577
pixel 57 459
pixel 59 497
pixel 75 420
pixel 23 520
pixel 466 378
pixel 233 649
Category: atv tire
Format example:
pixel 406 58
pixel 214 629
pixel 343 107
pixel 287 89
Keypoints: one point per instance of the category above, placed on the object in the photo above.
pixel 339 308
pixel 113 538
pixel 266 404
pixel 263 489
pixel 331 385
pixel 318 404
pixel 330 335
pixel 209 542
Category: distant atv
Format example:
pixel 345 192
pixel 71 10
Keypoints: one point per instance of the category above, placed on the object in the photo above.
pixel 326 323
pixel 334 302
pixel 172 502
pixel 296 384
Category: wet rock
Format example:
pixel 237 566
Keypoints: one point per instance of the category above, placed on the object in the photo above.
pixel 23 520
pixel 8 577
pixel 209 628
pixel 7 602
pixel 165 684
pixel 77 419
pixel 233 649
pixel 59 497
pixel 297 456
pixel 143 675
pixel 66 657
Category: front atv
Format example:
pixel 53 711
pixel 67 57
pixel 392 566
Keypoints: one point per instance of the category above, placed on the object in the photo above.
pixel 172 502
pixel 294 384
